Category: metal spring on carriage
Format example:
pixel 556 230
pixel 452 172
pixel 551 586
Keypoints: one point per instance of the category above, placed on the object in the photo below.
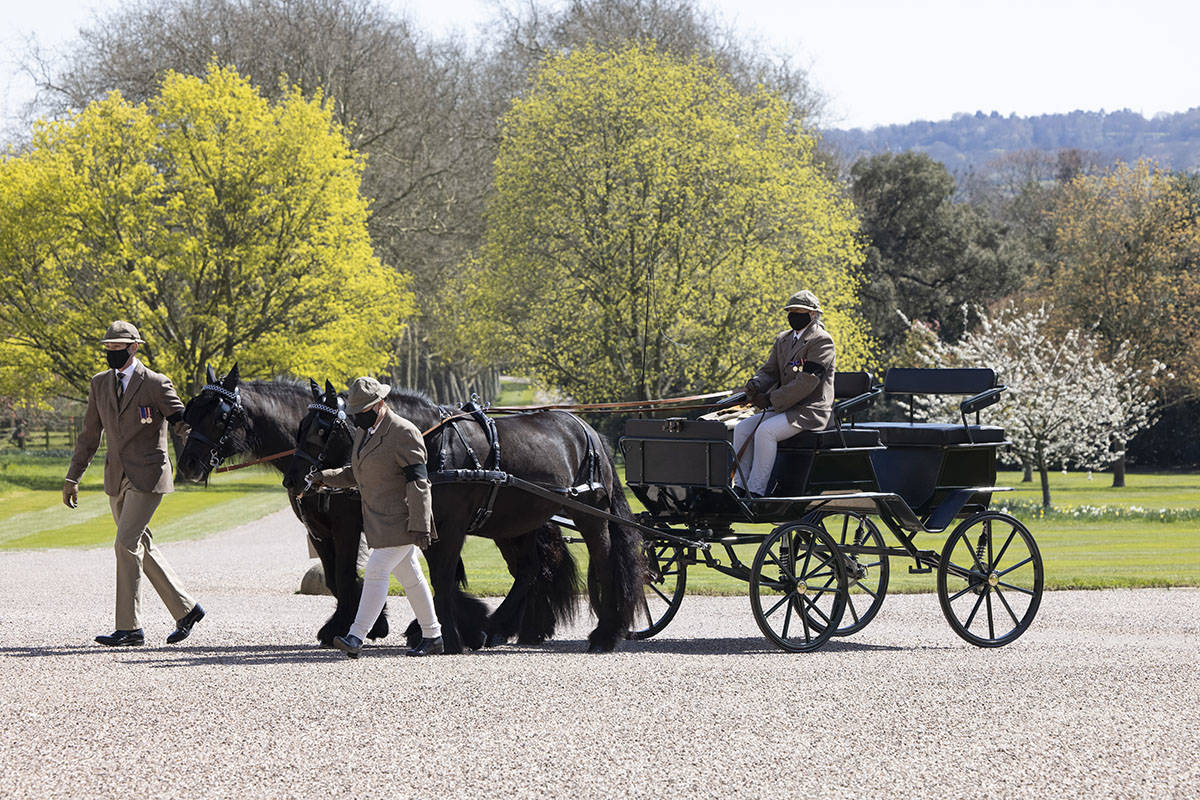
pixel 979 547
pixel 860 533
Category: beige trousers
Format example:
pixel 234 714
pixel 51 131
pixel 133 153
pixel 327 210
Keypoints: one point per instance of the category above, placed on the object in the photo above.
pixel 136 553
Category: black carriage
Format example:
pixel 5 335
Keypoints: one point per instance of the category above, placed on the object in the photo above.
pixel 822 570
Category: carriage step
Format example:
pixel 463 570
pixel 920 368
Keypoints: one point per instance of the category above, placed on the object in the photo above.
pixel 919 570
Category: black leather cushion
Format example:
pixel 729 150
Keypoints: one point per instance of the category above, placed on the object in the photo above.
pixel 828 440
pixel 851 384
pixel 933 433
pixel 909 380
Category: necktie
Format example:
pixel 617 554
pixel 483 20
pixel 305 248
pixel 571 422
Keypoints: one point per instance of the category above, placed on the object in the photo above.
pixel 120 385
pixel 366 439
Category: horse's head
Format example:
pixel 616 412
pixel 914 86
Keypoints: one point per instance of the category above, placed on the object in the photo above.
pixel 218 424
pixel 324 438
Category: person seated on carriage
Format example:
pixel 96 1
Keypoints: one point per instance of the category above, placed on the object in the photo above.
pixel 388 467
pixel 794 389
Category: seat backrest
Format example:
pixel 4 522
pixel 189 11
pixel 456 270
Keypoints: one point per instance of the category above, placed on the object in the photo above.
pixel 957 380
pixel 851 384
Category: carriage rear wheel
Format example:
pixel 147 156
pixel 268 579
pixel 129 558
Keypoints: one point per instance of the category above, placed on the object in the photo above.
pixel 666 579
pixel 866 574
pixel 989 581
pixel 798 575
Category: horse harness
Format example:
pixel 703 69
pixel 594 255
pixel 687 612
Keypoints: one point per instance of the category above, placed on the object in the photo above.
pixel 586 480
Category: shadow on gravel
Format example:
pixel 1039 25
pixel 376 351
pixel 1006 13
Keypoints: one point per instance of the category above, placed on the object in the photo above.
pixel 724 646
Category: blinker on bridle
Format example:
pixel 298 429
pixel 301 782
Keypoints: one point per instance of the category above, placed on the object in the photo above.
pixel 231 409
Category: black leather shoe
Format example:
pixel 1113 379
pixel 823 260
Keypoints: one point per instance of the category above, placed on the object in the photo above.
pixel 349 644
pixel 122 638
pixel 184 626
pixel 428 647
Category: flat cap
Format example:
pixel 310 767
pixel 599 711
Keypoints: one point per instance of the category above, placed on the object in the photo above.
pixel 803 300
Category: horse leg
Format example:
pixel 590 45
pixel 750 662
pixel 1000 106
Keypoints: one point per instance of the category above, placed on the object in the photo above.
pixel 444 559
pixel 471 612
pixel 614 575
pixel 521 558
pixel 554 594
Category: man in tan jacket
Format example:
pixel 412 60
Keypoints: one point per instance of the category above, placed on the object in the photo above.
pixel 387 464
pixel 132 406
pixel 794 388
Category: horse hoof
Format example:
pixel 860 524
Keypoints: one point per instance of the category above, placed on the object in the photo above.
pixel 494 640
pixel 475 640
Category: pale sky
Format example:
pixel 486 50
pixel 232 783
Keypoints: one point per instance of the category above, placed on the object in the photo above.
pixel 877 62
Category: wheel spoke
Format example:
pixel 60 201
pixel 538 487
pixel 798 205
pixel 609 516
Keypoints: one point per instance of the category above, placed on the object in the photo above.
pixel 967 624
pixel 850 605
pixel 974 558
pixel 1018 565
pixel 991 624
pixel 812 542
pixel 1008 608
pixel 1015 588
pixel 814 607
pixel 787 573
pixel 646 609
pixel 804 622
pixel 1007 542
pixel 787 620
pixel 960 594
pixel 666 599
pixel 782 600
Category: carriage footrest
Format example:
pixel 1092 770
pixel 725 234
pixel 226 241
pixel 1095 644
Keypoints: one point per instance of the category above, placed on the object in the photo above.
pixel 918 569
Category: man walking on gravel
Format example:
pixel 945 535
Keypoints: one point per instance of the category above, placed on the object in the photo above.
pixel 132 405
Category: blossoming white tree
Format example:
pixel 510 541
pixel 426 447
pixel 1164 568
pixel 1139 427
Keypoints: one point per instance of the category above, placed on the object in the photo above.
pixel 1065 403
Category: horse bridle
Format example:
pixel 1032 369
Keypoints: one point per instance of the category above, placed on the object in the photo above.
pixel 231 413
pixel 337 422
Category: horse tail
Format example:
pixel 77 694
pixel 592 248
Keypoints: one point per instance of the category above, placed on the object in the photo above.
pixel 626 557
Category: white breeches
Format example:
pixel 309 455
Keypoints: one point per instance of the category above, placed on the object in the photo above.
pixel 768 429
pixel 403 562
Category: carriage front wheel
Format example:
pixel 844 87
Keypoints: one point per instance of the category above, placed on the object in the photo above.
pixel 662 594
pixel 989 581
pixel 798 575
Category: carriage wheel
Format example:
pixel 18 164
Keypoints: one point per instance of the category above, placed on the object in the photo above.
pixel 866 575
pixel 798 574
pixel 666 578
pixel 989 580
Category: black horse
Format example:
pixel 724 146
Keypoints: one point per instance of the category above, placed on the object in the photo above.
pixel 551 448
pixel 261 418
pixel 545 587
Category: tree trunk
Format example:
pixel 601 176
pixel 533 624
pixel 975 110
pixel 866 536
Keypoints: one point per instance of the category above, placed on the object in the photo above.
pixel 1045 474
pixel 1119 472
pixel 1028 476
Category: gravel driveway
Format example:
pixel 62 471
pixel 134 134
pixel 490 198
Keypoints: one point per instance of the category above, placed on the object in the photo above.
pixel 1100 698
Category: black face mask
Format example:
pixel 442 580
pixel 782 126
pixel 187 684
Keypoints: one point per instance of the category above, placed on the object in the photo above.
pixel 117 358
pixel 365 419
pixel 799 320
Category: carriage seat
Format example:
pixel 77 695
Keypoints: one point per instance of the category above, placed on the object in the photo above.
pixel 831 439
pixel 980 384
pixel 931 433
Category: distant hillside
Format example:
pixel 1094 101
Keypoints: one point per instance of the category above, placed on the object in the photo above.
pixel 971 141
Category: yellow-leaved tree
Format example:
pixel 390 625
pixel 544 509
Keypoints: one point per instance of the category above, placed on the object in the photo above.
pixel 648 222
pixel 225 226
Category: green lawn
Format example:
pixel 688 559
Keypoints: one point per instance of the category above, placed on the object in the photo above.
pixel 32 514
pixel 1143 490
